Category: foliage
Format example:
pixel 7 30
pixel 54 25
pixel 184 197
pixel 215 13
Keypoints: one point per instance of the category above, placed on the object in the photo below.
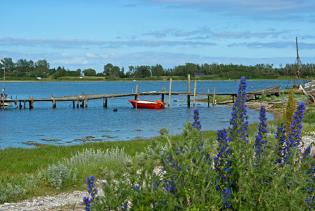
pixel 9 191
pixel 66 171
pixel 291 106
pixel 89 72
pixel 28 69
pixel 58 175
pixel 236 171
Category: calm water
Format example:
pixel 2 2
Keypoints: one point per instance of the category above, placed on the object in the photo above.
pixel 72 126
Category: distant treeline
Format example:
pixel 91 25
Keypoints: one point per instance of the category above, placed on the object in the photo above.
pixel 23 68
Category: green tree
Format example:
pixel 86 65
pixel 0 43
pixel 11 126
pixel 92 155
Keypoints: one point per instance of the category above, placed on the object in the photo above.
pixel 157 70
pixel 89 72
pixel 8 64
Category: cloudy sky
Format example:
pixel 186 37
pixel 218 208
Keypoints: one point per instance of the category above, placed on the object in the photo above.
pixel 90 33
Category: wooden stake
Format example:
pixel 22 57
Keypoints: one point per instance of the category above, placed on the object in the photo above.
pixel 137 92
pixel 54 105
pixel 214 102
pixel 105 103
pixel 188 91
pixel 170 92
pixel 208 100
pixel 31 103
pixel 86 101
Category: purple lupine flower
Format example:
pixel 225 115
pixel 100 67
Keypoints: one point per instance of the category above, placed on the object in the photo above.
pixel 223 140
pixel 239 120
pixel 196 124
pixel 223 166
pixel 294 137
pixel 169 186
pixel 227 195
pixel 87 201
pixel 92 190
pixel 261 141
pixel 282 144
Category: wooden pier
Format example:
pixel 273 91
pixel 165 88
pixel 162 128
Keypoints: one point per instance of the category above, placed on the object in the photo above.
pixel 81 101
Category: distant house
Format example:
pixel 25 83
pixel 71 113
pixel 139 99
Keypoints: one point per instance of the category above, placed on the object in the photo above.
pixel 39 78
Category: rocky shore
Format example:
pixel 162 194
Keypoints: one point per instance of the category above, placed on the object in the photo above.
pixel 60 202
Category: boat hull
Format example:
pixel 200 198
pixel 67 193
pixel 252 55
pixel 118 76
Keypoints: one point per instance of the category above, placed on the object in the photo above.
pixel 147 104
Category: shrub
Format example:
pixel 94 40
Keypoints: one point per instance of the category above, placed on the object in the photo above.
pixel 59 174
pixel 68 170
pixel 10 191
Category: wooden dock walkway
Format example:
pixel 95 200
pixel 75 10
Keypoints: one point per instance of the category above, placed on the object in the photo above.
pixel 81 101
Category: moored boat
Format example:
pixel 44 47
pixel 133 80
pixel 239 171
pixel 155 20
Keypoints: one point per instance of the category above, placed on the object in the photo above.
pixel 147 104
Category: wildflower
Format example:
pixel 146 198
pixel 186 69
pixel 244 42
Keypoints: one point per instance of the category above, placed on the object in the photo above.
pixel 196 124
pixel 295 132
pixel 136 187
pixel 261 141
pixel 127 205
pixel 223 140
pixel 227 195
pixel 92 190
pixel 159 171
pixel 282 144
pixel 239 120
pixel 169 186
pixel 87 201
pixel 223 166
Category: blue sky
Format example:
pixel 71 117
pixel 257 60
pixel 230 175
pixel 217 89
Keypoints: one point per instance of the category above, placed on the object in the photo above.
pixel 91 33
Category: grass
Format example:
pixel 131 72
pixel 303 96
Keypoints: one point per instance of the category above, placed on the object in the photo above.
pixel 17 165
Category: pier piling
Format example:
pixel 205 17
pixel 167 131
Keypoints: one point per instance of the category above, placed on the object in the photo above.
pixel 170 92
pixel 54 104
pixel 188 91
pixel 31 103
pixel 105 102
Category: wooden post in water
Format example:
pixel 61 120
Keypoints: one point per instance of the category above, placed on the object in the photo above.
pixel 195 90
pixel 162 97
pixel 20 105
pixel 78 102
pixel 31 103
pixel 170 92
pixel 73 104
pixel 86 101
pixel 24 104
pixel 16 102
pixel 214 102
pixel 54 104
pixel 208 100
pixel 82 103
pixel 105 102
pixel 188 91
pixel 137 92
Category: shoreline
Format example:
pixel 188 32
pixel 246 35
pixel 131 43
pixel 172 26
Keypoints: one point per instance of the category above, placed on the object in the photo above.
pixel 148 80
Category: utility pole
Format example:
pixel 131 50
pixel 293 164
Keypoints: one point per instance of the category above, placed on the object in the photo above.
pixel 298 62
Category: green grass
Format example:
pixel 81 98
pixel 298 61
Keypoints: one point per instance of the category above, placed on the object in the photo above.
pixel 18 164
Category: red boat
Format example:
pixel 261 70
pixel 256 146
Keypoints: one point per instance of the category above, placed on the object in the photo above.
pixel 147 104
